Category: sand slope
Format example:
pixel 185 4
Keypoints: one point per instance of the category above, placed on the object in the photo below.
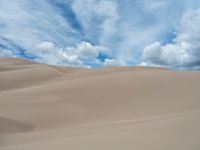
pixel 48 107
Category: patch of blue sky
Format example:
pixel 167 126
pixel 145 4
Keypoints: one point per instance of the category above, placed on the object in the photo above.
pixel 102 56
pixel 169 38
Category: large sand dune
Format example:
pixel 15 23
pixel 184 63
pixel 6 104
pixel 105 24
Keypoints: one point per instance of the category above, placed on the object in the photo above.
pixel 44 107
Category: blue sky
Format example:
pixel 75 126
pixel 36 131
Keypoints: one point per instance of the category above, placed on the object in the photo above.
pixel 97 33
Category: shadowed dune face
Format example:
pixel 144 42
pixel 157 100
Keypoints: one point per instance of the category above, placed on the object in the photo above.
pixel 26 77
pixel 9 126
pixel 39 102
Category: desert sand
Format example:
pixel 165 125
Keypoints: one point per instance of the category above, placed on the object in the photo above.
pixel 44 107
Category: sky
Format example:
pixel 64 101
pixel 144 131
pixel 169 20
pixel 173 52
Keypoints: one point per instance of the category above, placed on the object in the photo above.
pixel 99 33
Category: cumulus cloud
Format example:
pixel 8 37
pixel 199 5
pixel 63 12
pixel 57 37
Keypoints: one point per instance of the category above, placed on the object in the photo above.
pixel 78 55
pixel 184 51
pixel 112 62
pixel 47 52
pixel 86 50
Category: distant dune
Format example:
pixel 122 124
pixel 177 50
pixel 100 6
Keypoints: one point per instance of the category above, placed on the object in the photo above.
pixel 44 107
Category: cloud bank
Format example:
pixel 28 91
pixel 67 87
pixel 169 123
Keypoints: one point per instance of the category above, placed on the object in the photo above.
pixel 84 54
pixel 183 51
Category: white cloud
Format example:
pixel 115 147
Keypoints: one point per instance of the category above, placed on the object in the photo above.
pixel 79 55
pixel 6 53
pixel 97 17
pixel 184 52
pixel 46 47
pixel 28 23
pixel 86 50
pixel 112 62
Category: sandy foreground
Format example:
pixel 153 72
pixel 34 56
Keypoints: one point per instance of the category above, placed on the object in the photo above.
pixel 45 107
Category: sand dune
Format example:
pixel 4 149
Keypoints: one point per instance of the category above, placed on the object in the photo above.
pixel 49 107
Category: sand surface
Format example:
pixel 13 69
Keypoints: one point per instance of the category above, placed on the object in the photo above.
pixel 44 107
